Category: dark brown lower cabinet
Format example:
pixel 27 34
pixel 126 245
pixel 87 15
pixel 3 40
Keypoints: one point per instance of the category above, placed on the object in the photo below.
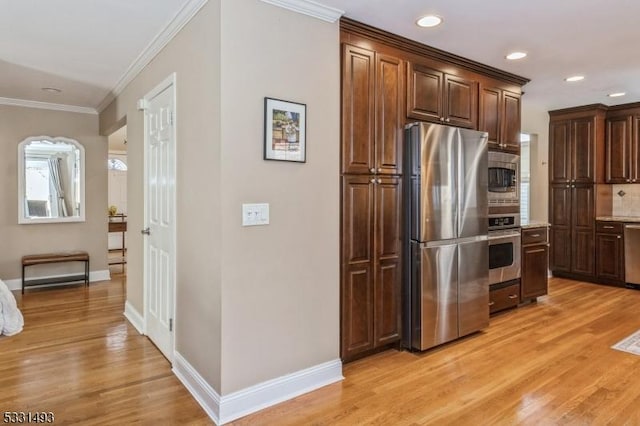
pixel 610 253
pixel 504 296
pixel 535 263
pixel 371 264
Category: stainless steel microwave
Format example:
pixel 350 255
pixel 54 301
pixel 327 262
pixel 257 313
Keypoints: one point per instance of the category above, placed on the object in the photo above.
pixel 504 179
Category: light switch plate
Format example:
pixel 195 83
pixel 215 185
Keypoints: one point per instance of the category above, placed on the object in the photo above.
pixel 255 214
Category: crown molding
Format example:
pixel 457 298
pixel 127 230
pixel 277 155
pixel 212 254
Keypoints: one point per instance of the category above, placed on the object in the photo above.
pixel 310 8
pixel 158 43
pixel 46 105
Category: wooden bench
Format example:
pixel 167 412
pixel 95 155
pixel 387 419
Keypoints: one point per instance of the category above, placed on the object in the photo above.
pixel 47 258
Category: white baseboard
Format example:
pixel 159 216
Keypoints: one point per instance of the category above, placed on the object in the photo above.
pixel 94 276
pixel 224 409
pixel 134 317
pixel 202 392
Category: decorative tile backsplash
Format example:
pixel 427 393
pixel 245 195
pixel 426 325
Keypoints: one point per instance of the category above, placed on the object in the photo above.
pixel 626 200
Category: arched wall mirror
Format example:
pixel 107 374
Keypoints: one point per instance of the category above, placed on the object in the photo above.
pixel 50 180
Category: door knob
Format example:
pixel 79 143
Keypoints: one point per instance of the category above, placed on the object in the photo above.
pixel 146 231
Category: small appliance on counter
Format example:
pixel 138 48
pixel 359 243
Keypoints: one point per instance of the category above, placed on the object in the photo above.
pixel 446 286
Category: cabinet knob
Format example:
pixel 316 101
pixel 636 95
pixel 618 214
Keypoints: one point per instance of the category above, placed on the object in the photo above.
pixel 441 118
pixel 372 181
pixel 379 181
pixel 492 303
pixel 379 169
pixel 619 236
pixel 448 120
pixel 568 186
pixel 513 296
pixel 372 170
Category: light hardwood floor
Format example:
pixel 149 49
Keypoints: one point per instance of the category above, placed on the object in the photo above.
pixel 547 363
pixel 80 359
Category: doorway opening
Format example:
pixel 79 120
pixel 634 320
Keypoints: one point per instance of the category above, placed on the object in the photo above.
pixel 117 202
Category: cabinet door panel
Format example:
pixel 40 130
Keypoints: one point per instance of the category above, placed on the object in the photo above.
pixel 388 218
pixel 490 108
pixel 461 100
pixel 618 150
pixel 357 219
pixel 582 150
pixel 583 228
pixel 582 251
pixel 635 149
pixel 560 250
pixel 357 310
pixel 534 271
pixel 511 122
pixel 387 301
pixel 389 115
pixel 560 233
pixel 424 93
pixel 583 206
pixel 610 257
pixel 358 87
pixel 560 205
pixel 559 152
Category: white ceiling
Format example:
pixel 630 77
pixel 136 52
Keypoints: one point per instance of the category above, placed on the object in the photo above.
pixel 596 38
pixel 86 47
pixel 82 47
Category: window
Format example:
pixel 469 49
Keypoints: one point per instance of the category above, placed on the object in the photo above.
pixel 116 164
pixel 525 176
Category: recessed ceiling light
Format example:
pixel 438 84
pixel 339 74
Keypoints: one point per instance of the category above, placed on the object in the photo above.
pixel 516 55
pixel 429 21
pixel 616 95
pixel 574 78
pixel 51 89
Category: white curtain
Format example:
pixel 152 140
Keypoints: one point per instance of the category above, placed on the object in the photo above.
pixel 56 178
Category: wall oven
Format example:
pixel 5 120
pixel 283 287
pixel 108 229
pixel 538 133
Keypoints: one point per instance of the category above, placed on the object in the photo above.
pixel 504 179
pixel 504 248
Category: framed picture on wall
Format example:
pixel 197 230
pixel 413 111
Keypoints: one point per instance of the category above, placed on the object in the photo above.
pixel 285 135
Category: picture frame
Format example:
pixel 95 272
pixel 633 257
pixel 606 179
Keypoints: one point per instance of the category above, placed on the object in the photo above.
pixel 285 130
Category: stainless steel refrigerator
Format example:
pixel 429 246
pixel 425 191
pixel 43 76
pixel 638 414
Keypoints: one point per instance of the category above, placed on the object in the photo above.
pixel 446 289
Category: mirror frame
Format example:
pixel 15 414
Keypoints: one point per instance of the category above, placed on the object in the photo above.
pixel 22 218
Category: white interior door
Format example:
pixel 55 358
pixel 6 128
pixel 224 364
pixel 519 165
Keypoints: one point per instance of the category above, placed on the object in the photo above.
pixel 160 171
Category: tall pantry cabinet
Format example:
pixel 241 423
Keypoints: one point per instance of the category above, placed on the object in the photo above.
pixel 372 122
pixel 576 167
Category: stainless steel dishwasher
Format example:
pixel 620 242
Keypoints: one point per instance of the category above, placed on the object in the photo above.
pixel 632 255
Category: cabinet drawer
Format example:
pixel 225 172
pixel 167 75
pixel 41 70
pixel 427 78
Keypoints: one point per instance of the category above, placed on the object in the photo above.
pixel 504 297
pixel 609 228
pixel 534 235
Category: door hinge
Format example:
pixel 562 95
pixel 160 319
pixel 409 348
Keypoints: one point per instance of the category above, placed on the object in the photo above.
pixel 170 324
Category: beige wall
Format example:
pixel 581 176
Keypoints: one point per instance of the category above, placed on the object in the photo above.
pixel 194 55
pixel 280 298
pixel 535 120
pixel 18 123
pixel 254 303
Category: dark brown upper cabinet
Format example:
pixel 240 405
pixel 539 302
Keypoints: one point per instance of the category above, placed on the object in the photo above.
pixel 622 146
pixel 372 112
pixel 576 145
pixel 499 116
pixel 433 95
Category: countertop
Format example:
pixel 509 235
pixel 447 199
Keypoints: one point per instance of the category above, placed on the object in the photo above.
pixel 628 219
pixel 535 224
